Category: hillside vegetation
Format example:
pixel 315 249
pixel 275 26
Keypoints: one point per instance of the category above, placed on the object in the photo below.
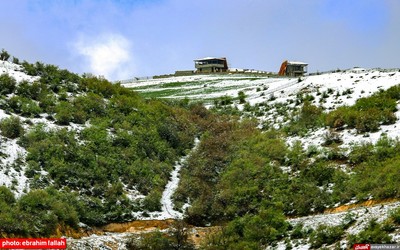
pixel 94 152
pixel 80 151
pixel 251 179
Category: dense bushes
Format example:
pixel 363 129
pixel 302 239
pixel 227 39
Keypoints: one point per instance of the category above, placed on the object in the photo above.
pixel 325 235
pixel 236 171
pixel 177 237
pixel 7 84
pixel 124 143
pixel 238 175
pixel 250 231
pixel 374 233
pixel 38 213
pixel 11 127
pixel 368 113
pixel 90 166
pixel 375 168
pixel 309 117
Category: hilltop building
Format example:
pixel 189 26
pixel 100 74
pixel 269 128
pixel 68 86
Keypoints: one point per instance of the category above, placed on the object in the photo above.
pixel 211 65
pixel 292 68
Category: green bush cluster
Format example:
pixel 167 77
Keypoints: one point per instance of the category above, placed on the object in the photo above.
pixel 237 174
pixel 236 171
pixel 374 233
pixel 308 117
pixel 7 84
pixel 375 170
pixel 38 213
pixel 325 235
pixel 11 127
pixel 368 113
pixel 177 237
pixel 129 143
pixel 140 153
pixel 250 231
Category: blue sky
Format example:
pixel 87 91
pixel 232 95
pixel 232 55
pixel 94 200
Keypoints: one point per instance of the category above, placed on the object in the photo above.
pixel 122 39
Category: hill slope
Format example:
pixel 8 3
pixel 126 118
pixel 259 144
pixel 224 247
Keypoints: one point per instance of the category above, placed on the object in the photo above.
pixel 327 140
pixel 82 143
pixel 78 151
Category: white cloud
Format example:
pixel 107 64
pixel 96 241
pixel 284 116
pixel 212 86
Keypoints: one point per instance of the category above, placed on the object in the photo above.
pixel 107 55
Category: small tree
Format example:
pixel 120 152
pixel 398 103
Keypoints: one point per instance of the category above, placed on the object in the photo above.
pixel 242 97
pixel 4 56
pixel 11 127
pixel 15 60
pixel 180 236
pixel 7 84
pixel 64 113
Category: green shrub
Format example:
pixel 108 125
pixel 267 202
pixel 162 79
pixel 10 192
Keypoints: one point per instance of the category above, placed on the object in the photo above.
pixel 309 117
pixel 367 114
pixel 393 92
pixel 30 90
pixel 374 233
pixel 152 201
pixel 395 216
pixel 23 106
pixel 152 241
pixel 379 101
pixel 225 100
pixel 298 232
pixel 11 127
pixel 251 231
pixel 4 55
pixel 15 60
pixel 47 102
pixel 92 104
pixel 325 235
pixel 242 97
pixel 368 121
pixel 7 84
pixel 30 109
pixel 6 195
pixel 64 113
pixel 361 153
pixel 175 238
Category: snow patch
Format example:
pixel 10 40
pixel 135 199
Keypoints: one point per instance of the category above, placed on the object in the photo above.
pixel 168 211
pixel 12 167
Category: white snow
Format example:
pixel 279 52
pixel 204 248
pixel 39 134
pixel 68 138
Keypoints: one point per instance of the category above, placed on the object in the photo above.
pixel 168 211
pixel 107 241
pixel 340 88
pixel 12 158
pixel 172 185
pixel 15 71
pixel 345 88
pixel 362 216
pixel 9 176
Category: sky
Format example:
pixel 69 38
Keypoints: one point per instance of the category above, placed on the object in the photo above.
pixel 122 39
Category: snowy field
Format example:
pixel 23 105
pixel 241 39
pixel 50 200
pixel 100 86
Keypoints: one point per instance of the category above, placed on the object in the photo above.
pixel 330 90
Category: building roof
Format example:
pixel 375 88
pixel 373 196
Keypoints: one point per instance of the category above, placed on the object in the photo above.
pixel 210 58
pixel 296 63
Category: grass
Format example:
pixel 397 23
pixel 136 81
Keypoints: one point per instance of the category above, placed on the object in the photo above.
pixel 161 93
pixel 178 90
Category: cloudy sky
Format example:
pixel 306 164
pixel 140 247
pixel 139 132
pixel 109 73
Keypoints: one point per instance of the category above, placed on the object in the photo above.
pixel 121 39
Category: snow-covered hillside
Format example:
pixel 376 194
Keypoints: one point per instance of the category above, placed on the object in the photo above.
pixel 259 89
pixel 268 94
pixel 329 90
pixel 12 174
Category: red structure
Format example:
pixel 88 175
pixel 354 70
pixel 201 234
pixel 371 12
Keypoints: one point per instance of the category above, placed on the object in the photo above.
pixel 291 68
